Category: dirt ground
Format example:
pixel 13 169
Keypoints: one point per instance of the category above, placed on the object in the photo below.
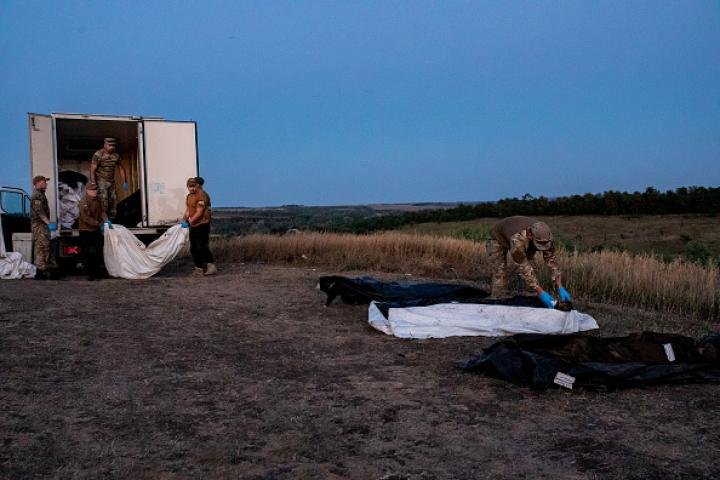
pixel 247 375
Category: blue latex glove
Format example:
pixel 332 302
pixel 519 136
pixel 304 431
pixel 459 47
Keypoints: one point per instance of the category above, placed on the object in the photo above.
pixel 185 224
pixel 126 186
pixel 52 226
pixel 547 299
pixel 108 223
pixel 564 295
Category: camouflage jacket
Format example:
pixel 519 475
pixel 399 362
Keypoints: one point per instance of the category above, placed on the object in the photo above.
pixel 39 208
pixel 522 250
pixel 106 164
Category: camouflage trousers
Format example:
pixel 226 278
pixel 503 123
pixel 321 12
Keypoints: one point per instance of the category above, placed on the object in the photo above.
pixel 106 193
pixel 502 271
pixel 42 250
pixel 499 265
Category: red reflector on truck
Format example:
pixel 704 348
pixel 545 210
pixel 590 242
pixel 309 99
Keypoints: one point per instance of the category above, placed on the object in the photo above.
pixel 71 250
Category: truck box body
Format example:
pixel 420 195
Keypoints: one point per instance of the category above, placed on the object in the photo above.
pixel 157 156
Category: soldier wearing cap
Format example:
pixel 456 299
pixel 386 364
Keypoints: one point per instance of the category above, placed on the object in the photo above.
pixel 41 227
pixel 522 237
pixel 197 217
pixel 92 215
pixel 102 172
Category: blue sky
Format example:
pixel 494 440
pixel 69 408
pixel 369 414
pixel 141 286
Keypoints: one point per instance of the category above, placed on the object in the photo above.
pixel 326 103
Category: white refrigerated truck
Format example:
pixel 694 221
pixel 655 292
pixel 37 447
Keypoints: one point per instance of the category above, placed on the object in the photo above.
pixel 157 156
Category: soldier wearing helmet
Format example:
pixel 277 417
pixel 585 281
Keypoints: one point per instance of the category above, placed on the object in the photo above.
pixel 522 237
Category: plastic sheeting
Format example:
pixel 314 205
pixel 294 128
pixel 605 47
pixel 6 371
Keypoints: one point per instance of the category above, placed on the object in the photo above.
pixel 70 197
pixel 127 257
pixel 69 204
pixel 436 310
pixel 363 290
pixel 469 319
pixel 12 265
pixel 582 361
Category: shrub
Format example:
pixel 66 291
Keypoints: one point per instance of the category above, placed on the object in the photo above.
pixel 696 251
pixel 477 234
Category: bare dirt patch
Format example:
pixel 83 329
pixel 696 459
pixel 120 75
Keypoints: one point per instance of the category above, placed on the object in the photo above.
pixel 247 375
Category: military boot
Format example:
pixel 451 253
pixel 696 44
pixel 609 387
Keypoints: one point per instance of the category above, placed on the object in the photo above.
pixel 42 275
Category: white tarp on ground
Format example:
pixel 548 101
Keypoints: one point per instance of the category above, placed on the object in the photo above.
pixel 127 257
pixel 472 319
pixel 12 265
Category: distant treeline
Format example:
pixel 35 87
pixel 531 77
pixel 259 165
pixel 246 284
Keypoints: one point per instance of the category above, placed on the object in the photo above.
pixel 278 220
pixel 650 202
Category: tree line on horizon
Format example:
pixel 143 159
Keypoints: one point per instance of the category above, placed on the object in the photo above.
pixel 694 200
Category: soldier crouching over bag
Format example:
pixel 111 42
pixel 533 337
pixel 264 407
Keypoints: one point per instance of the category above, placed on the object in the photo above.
pixel 522 237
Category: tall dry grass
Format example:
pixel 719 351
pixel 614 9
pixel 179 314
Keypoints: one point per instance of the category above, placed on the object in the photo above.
pixel 388 252
pixel 645 281
pixel 612 277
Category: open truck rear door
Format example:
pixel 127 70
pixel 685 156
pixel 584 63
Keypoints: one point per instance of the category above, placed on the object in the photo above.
pixel 42 156
pixel 170 156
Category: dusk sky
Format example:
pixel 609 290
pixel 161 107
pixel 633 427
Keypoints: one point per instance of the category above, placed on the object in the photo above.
pixel 328 103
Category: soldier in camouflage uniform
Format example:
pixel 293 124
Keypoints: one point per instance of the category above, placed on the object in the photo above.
pixel 41 227
pixel 522 237
pixel 102 173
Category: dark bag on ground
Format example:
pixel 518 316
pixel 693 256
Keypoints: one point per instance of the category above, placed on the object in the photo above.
pixel 363 290
pixel 594 363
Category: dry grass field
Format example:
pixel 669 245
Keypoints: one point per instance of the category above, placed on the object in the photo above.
pixel 662 234
pixel 617 278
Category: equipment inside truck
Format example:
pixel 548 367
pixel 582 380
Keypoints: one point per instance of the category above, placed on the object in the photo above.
pixel 77 141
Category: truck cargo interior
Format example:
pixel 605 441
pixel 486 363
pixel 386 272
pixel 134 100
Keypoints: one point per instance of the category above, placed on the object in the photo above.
pixel 77 141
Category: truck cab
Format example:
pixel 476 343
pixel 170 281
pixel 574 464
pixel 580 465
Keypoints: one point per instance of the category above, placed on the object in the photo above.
pixel 14 214
pixel 156 155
